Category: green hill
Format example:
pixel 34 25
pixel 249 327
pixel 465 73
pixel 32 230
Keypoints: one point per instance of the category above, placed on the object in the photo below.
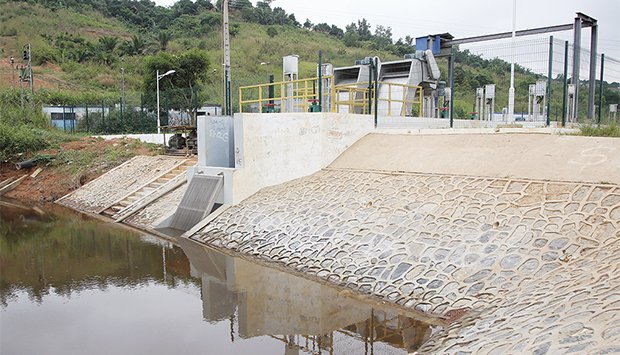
pixel 80 46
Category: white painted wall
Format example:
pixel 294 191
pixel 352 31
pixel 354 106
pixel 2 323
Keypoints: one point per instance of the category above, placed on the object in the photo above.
pixel 434 123
pixel 146 138
pixel 271 149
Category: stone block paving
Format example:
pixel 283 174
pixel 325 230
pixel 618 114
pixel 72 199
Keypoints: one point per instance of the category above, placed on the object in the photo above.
pixel 535 263
pixel 148 217
pixel 102 192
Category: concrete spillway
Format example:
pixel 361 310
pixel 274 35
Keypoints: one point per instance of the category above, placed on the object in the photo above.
pixel 197 202
pixel 517 233
pixel 533 263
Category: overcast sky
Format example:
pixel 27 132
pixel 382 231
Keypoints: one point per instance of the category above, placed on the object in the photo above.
pixel 462 18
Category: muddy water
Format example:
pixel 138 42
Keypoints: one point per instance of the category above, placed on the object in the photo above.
pixel 72 285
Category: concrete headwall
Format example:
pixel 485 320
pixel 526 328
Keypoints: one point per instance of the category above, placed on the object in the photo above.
pixel 271 149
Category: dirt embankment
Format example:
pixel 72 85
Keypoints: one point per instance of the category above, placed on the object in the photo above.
pixel 69 167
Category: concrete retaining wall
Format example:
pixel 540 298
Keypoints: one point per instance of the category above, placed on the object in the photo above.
pixel 271 149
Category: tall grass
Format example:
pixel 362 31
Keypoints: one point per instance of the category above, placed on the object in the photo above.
pixel 611 130
pixel 26 130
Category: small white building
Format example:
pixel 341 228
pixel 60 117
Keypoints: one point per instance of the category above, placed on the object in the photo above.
pixel 67 117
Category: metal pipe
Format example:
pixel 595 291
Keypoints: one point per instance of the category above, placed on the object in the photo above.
pixel 26 164
pixel 549 80
pixel 226 50
pixel 370 85
pixel 592 88
pixel 600 91
pixel 576 54
pixel 503 35
pixel 376 96
pixel 565 86
pixel 320 80
pixel 158 121
pixel 451 81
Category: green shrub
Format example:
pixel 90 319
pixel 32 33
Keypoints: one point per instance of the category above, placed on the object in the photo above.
pixel 612 130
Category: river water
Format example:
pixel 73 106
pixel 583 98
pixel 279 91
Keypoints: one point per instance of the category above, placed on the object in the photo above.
pixel 73 285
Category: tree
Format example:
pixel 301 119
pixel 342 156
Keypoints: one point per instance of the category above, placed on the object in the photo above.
pixel 322 27
pixel 308 25
pixel 363 30
pixel 351 37
pixel 382 37
pixel 336 31
pixel 134 47
pixel 108 44
pixel 272 32
pixel 163 38
pixel 181 89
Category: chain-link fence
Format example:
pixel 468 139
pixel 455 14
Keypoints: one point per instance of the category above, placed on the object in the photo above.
pixel 133 113
pixel 543 80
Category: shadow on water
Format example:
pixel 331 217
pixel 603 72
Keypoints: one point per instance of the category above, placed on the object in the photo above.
pixel 76 284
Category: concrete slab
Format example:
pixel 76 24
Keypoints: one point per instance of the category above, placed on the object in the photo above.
pixel 531 156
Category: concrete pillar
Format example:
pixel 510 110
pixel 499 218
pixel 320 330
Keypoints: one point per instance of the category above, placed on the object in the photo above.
pixel 592 87
pixel 576 53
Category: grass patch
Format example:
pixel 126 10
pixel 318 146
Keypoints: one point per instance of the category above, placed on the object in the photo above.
pixel 611 130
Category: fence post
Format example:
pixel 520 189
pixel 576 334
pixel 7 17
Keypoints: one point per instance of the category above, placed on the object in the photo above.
pixel 103 116
pixel 565 88
pixel 87 123
pixel 600 93
pixel 376 90
pixel 451 83
pixel 549 80
pixel 370 86
pixel 64 120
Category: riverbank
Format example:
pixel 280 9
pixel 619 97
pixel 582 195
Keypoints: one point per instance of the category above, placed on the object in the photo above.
pixel 59 171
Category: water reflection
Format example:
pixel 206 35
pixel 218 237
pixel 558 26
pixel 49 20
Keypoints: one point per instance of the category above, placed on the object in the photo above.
pixel 70 253
pixel 310 316
pixel 69 284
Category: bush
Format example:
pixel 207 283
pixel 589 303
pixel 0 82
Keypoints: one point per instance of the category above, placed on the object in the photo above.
pixel 272 32
pixel 612 130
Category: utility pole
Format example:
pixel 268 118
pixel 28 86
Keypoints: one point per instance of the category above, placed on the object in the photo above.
pixel 26 55
pixel 226 44
pixel 12 61
pixel 21 85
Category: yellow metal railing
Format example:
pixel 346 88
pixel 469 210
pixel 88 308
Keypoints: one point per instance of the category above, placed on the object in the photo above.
pixel 301 95
pixel 353 97
pixel 407 99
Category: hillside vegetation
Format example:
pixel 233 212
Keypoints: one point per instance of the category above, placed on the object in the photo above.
pixel 79 47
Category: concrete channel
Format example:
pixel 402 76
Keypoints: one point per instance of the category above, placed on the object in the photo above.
pixel 509 237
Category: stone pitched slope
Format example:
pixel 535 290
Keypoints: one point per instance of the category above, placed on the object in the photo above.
pixel 505 250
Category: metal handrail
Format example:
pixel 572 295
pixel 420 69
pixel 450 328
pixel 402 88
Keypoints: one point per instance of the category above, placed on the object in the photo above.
pixel 303 94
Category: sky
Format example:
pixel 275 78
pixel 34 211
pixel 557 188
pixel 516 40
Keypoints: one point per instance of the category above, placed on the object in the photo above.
pixel 462 18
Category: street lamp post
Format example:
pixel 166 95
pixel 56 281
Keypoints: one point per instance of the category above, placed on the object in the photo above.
pixel 159 77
